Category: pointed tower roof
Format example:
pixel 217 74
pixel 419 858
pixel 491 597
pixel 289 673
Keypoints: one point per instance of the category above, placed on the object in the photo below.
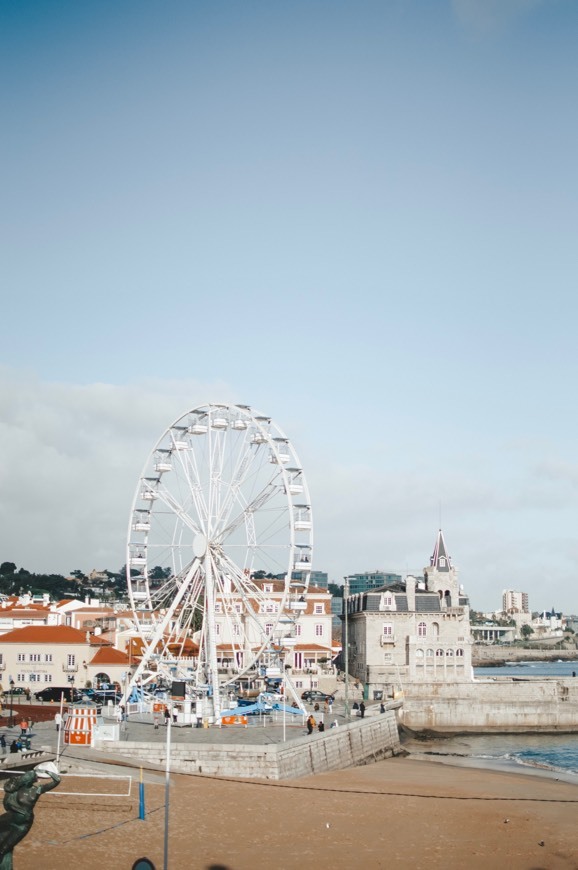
pixel 440 559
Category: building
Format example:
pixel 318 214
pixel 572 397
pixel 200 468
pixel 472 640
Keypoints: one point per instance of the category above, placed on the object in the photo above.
pixel 412 632
pixel 515 602
pixel 372 580
pixel 36 657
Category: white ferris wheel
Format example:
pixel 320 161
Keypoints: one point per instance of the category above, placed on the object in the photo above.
pixel 219 549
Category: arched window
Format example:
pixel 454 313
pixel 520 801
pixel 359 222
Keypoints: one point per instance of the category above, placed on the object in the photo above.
pixel 435 629
pixel 450 652
pixel 429 653
pixel 439 652
pixel 459 652
pixel 422 629
pixel 419 654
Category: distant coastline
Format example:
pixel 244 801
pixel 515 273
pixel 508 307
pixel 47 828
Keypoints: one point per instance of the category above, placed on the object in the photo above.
pixel 484 656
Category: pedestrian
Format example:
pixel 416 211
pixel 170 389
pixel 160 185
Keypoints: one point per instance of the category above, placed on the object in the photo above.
pixel 310 724
pixel 13 746
pixel 362 709
pixel 156 719
pixel 355 706
pixel 326 706
pixel 330 705
pixel 382 707
pixel 167 716
pixel 23 727
pixel 321 727
pixel 27 693
pixel 3 744
pixel 316 708
pixel 57 721
pixel 175 714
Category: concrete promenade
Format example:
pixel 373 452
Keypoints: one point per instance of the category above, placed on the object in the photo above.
pixel 265 748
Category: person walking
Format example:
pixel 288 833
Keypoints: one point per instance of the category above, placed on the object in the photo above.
pixel 23 727
pixel 3 744
pixel 167 716
pixel 310 724
pixel 57 721
pixel 156 720
pixel 362 709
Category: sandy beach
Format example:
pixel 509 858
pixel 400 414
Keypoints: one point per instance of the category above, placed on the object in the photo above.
pixel 396 813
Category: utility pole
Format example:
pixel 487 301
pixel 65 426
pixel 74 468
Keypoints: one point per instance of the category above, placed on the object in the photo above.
pixel 346 650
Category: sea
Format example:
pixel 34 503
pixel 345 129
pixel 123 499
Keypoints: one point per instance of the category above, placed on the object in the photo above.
pixel 553 755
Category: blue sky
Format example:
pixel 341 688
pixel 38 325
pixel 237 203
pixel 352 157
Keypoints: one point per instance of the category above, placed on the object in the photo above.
pixel 360 218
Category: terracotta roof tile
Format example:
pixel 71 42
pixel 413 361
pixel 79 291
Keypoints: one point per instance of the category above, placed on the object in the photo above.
pixel 44 634
pixel 110 656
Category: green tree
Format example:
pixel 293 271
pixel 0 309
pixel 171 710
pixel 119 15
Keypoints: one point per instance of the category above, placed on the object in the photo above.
pixel 335 589
pixel 7 568
pixel 526 631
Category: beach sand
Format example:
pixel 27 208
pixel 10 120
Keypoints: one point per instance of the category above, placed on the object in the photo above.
pixel 396 813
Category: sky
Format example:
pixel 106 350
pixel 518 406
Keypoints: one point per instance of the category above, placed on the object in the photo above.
pixel 359 218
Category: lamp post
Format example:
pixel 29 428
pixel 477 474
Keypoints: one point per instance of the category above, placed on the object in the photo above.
pixel 346 650
pixel 11 701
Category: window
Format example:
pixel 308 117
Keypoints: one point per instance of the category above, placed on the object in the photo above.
pixel 319 608
pixel 439 652
pixel 459 652
pixel 429 653
pixel 298 630
pixel 422 629
pixel 268 627
pixel 47 678
pixel 217 628
pixel 236 629
pixel 35 678
pixel 218 607
pixel 47 657
pixel 1 658
pixel 298 684
pixel 388 629
pixel 268 587
pixel 450 652
pixel 34 657
pixel 387 600
pixel 70 660
pixel 419 654
pixel 21 657
pixel 238 607
pixel 20 678
pixel 318 629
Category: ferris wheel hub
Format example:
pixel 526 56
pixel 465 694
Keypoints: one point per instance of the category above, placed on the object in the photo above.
pixel 199 545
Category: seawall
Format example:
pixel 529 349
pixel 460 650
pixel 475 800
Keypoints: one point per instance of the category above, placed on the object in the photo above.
pixel 357 743
pixel 501 705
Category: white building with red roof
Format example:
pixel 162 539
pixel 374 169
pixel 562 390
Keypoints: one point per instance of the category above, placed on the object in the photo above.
pixel 35 657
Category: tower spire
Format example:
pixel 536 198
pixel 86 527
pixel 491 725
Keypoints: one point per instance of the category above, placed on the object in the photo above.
pixel 440 559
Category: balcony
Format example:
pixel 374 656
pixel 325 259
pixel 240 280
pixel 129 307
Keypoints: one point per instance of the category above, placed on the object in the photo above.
pixel 387 639
pixel 70 669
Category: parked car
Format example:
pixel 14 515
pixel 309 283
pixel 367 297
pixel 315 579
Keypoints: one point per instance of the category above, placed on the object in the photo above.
pixel 54 693
pixel 314 695
pixel 15 690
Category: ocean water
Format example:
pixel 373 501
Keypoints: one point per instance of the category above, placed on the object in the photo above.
pixel 555 754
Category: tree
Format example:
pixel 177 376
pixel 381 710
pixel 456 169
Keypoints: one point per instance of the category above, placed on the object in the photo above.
pixel 335 590
pixel 526 631
pixel 7 568
pixel 78 574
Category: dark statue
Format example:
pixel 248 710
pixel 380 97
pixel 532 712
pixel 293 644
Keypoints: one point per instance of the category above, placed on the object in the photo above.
pixel 20 796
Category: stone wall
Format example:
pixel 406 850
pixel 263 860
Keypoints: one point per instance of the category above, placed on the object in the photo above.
pixel 360 742
pixel 501 705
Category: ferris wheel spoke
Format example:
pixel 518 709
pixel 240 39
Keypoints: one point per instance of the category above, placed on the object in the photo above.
pixel 244 470
pixel 257 503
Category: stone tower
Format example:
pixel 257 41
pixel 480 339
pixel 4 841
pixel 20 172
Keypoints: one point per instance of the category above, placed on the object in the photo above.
pixel 441 577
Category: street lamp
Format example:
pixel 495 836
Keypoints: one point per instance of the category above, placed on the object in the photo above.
pixel 346 651
pixel 11 701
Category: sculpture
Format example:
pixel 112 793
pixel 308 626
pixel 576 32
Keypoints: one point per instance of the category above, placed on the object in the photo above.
pixel 21 794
